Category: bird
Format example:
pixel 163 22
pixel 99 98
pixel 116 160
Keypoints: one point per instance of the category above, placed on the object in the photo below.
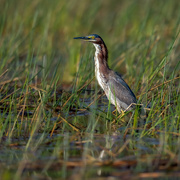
pixel 116 89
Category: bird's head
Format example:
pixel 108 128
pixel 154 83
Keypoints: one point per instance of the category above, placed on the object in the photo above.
pixel 94 38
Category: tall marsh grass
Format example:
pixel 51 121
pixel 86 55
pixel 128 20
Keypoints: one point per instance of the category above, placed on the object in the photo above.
pixel 49 99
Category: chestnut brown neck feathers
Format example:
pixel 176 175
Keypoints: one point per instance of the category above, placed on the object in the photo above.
pixel 101 67
pixel 101 56
pixel 102 48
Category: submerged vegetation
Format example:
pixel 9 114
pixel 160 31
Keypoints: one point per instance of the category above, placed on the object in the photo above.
pixel 55 122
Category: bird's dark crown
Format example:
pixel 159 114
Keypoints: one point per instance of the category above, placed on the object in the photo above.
pixel 94 38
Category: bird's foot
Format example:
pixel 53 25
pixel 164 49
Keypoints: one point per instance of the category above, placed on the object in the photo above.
pixel 122 114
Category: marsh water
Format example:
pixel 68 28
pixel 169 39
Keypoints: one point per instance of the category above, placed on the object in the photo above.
pixel 91 152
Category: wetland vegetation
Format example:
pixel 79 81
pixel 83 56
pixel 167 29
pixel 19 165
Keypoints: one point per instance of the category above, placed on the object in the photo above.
pixel 55 122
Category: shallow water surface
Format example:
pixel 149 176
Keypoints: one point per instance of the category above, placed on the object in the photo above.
pixel 86 156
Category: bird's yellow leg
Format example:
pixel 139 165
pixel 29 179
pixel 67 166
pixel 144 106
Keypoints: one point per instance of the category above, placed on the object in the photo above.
pixel 114 112
pixel 121 114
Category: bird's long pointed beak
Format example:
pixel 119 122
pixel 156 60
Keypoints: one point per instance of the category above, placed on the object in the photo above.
pixel 83 38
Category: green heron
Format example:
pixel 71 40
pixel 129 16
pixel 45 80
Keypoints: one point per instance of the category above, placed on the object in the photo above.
pixel 115 88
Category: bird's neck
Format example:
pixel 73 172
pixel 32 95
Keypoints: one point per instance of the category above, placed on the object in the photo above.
pixel 101 57
pixel 101 67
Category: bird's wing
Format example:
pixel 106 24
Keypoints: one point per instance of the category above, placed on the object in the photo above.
pixel 121 90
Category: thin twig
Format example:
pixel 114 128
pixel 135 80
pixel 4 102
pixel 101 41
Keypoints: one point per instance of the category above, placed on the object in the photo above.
pixel 76 129
pixel 4 72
